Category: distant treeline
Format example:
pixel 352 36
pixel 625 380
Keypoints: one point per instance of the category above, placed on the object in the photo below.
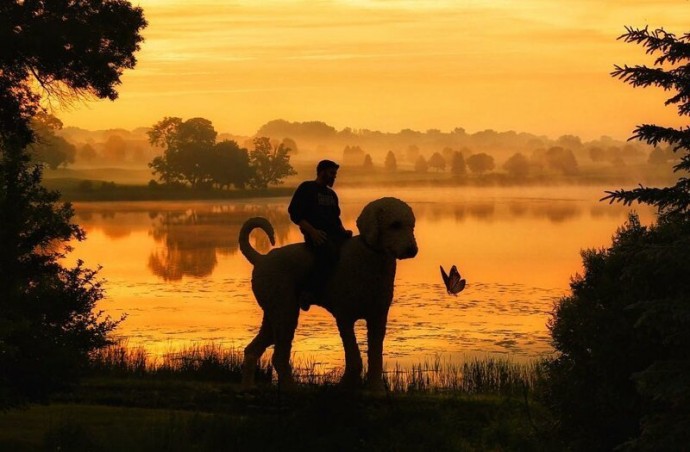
pixel 518 155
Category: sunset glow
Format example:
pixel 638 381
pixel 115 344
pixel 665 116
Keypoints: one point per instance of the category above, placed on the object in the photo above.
pixel 535 66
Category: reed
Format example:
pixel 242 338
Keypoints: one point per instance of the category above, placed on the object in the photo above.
pixel 213 362
pixel 205 362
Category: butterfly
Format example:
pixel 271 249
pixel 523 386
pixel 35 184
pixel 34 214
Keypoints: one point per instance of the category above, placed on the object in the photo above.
pixel 453 281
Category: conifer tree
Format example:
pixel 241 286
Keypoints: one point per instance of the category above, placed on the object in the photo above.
pixel 621 376
pixel 671 71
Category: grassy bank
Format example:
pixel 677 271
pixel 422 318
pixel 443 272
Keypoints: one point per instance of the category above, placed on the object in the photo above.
pixel 191 400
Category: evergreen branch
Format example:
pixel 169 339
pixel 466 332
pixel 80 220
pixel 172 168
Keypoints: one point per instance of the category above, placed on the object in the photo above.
pixel 673 49
pixel 645 76
pixel 652 134
pixel 668 200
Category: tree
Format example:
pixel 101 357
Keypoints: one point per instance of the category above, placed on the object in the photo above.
pixel 671 72
pixel 480 163
pixel 87 153
pixel 621 376
pixel 517 166
pixel 391 164
pixel 412 153
pixel 353 155
pixel 62 50
pixel 458 167
pixel 270 164
pixel 597 154
pixel 368 163
pixel 621 370
pixel 437 161
pixel 561 160
pixel 188 147
pixel 59 51
pixel 660 156
pixel 49 148
pixel 421 165
pixel 569 141
pixel 230 165
pixel 114 149
pixel 290 145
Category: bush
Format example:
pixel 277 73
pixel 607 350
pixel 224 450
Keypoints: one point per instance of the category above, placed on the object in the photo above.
pixel 622 375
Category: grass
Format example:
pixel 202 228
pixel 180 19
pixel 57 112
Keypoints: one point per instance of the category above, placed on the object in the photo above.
pixel 190 399
pixel 212 362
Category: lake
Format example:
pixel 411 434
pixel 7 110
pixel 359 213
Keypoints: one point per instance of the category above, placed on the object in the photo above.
pixel 175 269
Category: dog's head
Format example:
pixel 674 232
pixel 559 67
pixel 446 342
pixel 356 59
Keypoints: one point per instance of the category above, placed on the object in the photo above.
pixel 387 224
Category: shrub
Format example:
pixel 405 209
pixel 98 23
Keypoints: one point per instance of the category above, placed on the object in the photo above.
pixel 621 373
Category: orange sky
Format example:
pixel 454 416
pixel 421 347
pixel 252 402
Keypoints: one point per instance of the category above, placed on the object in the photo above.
pixel 539 66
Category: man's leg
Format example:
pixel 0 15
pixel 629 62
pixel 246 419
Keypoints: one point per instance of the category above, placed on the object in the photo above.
pixel 325 257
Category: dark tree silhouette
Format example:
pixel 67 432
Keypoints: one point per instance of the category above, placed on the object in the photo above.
pixel 420 165
pixel 480 163
pixel 230 165
pixel 621 375
pixel 437 161
pixel 368 163
pixel 57 50
pixel 671 72
pixel 458 167
pixel 187 145
pixel 270 165
pixel 390 163
pixel 48 147
pixel 561 160
pixel 517 166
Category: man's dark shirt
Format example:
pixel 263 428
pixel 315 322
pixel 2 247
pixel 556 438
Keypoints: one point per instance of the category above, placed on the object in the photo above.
pixel 317 204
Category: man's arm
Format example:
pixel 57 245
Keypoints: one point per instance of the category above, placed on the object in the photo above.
pixel 317 235
pixel 299 205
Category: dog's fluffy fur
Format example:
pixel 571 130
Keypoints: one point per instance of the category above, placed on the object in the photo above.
pixel 361 287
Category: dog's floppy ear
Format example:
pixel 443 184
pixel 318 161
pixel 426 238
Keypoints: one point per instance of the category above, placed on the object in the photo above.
pixel 368 224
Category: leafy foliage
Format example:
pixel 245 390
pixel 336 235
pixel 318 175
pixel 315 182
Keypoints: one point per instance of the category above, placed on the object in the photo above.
pixel 270 164
pixel 48 147
pixel 188 145
pixel 622 338
pixel 437 161
pixel 69 49
pixel 458 167
pixel 47 322
pixel 64 50
pixel 192 157
pixel 561 160
pixel 622 374
pixel 671 72
pixel 390 163
pixel 517 166
pixel 480 163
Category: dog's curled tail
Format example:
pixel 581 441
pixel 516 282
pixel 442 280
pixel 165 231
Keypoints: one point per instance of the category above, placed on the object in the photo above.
pixel 247 249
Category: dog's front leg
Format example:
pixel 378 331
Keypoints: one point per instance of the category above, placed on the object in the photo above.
pixel 376 331
pixel 352 377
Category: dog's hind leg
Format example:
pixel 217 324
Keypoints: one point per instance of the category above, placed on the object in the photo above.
pixel 284 326
pixel 253 352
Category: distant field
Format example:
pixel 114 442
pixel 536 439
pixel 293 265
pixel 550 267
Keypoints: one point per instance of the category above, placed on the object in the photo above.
pixel 131 184
pixel 126 176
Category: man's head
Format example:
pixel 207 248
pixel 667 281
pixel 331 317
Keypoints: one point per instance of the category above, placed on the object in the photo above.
pixel 326 172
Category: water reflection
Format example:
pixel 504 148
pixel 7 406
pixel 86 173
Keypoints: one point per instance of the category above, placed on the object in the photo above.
pixel 174 267
pixel 191 240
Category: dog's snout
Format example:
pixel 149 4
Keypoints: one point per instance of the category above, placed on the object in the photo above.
pixel 411 251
